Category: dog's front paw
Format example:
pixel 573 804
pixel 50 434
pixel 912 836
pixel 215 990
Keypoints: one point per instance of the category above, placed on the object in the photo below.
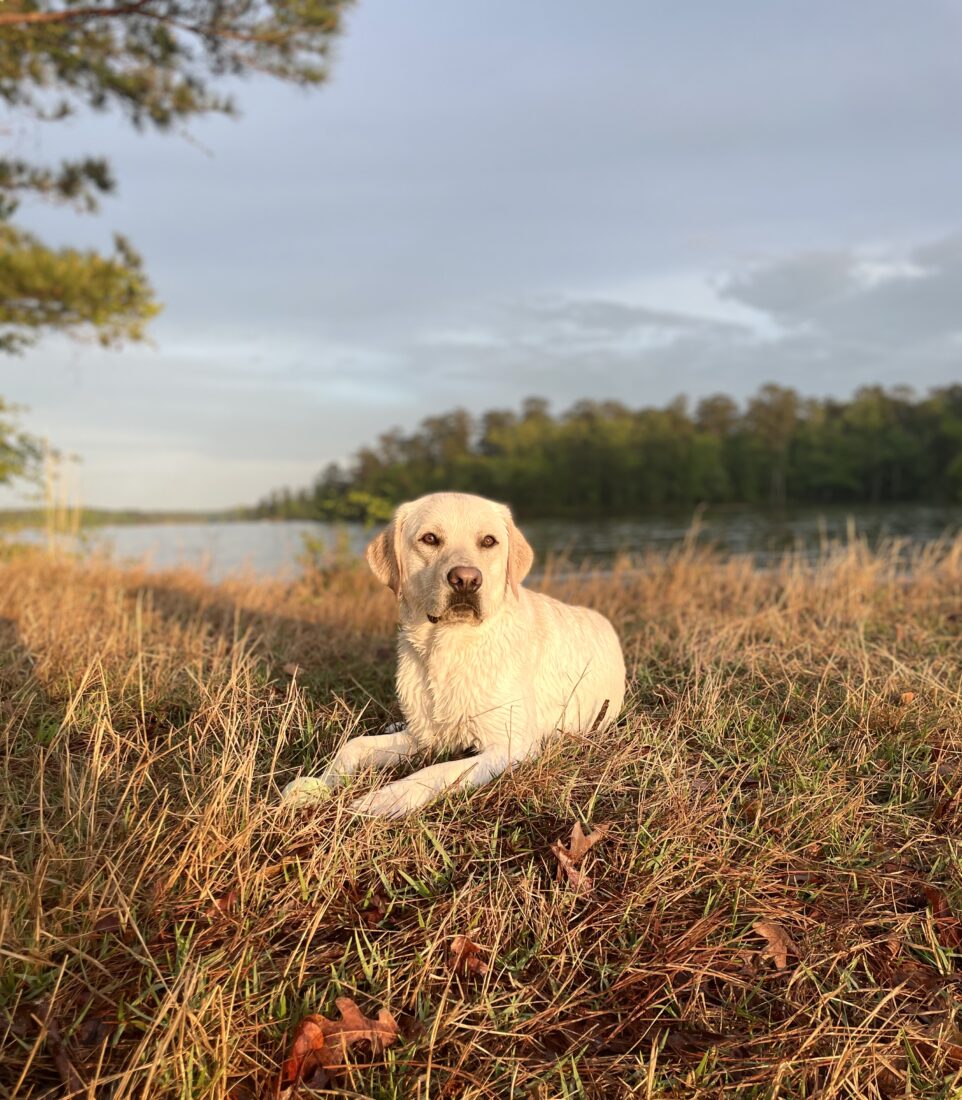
pixel 306 791
pixel 391 801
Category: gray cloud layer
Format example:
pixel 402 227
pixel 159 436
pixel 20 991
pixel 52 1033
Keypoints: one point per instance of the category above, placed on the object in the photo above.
pixel 496 200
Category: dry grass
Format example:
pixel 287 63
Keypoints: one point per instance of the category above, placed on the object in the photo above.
pixel 164 927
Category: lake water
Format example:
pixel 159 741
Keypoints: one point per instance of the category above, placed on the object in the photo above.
pixel 221 549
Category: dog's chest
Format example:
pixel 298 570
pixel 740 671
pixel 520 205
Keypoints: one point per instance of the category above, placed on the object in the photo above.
pixel 451 687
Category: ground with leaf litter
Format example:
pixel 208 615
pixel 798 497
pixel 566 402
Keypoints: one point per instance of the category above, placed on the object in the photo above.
pixel 748 887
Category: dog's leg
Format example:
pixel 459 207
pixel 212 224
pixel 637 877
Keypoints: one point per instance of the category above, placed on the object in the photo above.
pixel 353 756
pixel 414 791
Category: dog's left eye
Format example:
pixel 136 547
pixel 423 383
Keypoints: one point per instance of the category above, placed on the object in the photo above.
pixel 430 539
pixel 488 541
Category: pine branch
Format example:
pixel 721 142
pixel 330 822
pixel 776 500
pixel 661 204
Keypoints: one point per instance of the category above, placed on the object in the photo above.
pixel 69 15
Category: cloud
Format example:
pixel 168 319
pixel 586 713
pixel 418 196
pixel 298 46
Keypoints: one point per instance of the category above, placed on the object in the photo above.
pixel 825 321
pixel 792 289
pixel 605 325
pixel 571 328
pixel 881 302
pixel 602 318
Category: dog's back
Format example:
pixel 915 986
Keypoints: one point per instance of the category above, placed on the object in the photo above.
pixel 579 673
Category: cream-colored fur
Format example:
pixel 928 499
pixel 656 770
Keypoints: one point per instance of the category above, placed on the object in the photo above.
pixel 496 677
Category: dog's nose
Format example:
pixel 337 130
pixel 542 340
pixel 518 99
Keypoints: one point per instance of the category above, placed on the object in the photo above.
pixel 465 578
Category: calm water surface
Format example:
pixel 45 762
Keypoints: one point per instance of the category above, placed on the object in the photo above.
pixel 222 549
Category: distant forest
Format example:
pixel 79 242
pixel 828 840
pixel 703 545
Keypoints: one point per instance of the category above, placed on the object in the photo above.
pixel 605 459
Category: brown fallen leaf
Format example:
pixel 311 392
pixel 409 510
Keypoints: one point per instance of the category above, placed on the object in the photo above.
pixel 375 909
pixel 907 697
pixel 748 810
pixel 108 923
pixel 691 1042
pixel 948 773
pixel 940 742
pixel 96 1029
pixel 938 1044
pixel 321 1044
pixel 223 904
pixel 917 978
pixel 465 957
pixel 946 810
pixel 947 924
pixel 242 1090
pixel 569 858
pixel 780 944
pixel 70 1078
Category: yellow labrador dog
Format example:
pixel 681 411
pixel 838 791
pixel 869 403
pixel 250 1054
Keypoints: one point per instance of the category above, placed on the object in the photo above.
pixel 484 665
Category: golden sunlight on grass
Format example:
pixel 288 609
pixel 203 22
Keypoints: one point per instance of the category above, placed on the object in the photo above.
pixel 771 912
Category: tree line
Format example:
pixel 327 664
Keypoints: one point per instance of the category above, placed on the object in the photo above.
pixel 605 459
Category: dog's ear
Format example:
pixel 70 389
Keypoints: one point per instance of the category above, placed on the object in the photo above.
pixel 384 555
pixel 520 556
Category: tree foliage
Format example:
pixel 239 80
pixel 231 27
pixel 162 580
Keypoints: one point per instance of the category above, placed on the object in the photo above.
pixel 605 459
pixel 157 62
pixel 20 454
pixel 69 290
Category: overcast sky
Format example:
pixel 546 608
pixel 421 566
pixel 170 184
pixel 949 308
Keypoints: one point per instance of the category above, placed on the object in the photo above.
pixel 492 200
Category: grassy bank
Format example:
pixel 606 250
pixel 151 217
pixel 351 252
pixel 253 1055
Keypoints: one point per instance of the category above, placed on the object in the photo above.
pixel 772 912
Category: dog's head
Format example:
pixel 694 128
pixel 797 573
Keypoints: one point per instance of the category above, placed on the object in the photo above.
pixel 451 557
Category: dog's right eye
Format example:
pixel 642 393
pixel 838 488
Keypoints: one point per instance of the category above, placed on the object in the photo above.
pixel 430 539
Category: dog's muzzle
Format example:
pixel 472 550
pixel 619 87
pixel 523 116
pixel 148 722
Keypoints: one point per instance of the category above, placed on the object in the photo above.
pixel 461 607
